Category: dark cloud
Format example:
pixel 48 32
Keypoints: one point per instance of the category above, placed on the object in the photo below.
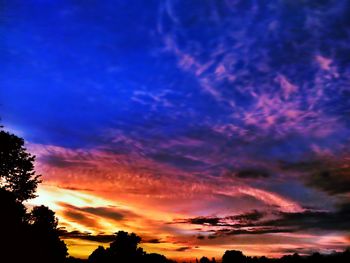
pixel 332 180
pixel 255 231
pixel 62 162
pixel 253 173
pixel 112 213
pixel 330 176
pixel 81 218
pixel 232 221
pixel 320 220
pixel 253 224
pixel 255 215
pixel 101 238
pixel 299 250
pixel 153 241
pixel 301 166
pixel 105 212
pixel 76 188
pixel 181 249
pixel 213 221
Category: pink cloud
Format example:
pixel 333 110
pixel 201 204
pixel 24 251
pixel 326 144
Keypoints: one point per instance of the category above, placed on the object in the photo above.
pixel 325 63
pixel 287 87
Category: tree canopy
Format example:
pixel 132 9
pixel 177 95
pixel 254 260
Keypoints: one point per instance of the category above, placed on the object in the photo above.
pixel 17 174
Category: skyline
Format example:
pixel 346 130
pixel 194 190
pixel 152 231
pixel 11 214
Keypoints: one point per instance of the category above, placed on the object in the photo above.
pixel 201 126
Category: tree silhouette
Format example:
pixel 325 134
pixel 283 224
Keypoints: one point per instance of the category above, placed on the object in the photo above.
pixel 42 217
pixel 43 225
pixel 13 229
pixel 291 258
pixel 17 173
pixel 204 260
pixel 154 258
pixel 99 255
pixel 125 248
pixel 233 256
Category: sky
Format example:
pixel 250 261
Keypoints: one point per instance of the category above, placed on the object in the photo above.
pixel 200 125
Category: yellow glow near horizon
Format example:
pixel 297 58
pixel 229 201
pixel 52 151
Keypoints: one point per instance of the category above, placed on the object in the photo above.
pixel 178 240
pixel 54 197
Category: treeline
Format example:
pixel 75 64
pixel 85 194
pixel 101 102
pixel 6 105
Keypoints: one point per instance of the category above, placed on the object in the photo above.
pixel 125 249
pixel 115 254
pixel 33 235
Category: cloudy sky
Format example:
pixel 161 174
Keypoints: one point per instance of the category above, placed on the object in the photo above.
pixel 200 125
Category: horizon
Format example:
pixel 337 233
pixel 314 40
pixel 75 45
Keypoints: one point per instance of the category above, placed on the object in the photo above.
pixel 201 126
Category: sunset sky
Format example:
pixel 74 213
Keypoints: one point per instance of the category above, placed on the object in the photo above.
pixel 200 125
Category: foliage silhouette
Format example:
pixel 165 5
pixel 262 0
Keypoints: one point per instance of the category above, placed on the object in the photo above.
pixel 25 236
pixel 17 173
pixel 46 235
pixel 233 256
pixel 98 255
pixel 155 258
pixel 13 229
pixel 125 248
pixel 205 260
pixel 128 241
pixel 28 237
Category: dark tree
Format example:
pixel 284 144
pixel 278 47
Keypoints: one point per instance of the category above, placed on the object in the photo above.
pixel 291 258
pixel 204 260
pixel 125 248
pixel 42 217
pixel 155 258
pixel 233 256
pixel 47 245
pixel 13 229
pixel 75 260
pixel 99 255
pixel 17 173
pixel 15 215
